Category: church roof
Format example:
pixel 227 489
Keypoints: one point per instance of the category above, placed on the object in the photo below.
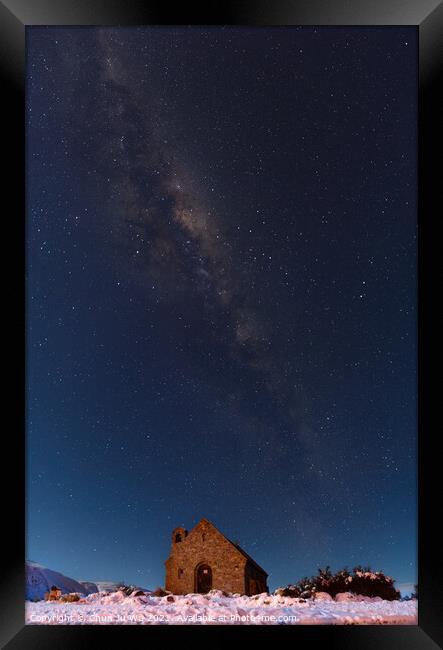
pixel 248 557
pixel 239 548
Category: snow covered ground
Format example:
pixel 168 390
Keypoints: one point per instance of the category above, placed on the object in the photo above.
pixel 216 609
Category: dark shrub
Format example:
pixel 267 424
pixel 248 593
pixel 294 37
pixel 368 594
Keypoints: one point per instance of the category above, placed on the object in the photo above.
pixel 160 592
pixel 361 581
pixel 126 589
pixel 292 592
pixel 370 583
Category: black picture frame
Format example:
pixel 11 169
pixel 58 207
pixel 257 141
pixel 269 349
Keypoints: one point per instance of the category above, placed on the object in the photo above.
pixel 427 16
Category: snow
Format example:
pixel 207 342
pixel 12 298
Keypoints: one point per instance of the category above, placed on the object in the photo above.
pixel 215 609
pixel 372 576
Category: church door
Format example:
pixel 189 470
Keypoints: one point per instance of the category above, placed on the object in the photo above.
pixel 204 579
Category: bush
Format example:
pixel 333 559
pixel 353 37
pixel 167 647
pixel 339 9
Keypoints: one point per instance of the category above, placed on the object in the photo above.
pixel 361 581
pixel 370 583
pixel 130 590
pixel 160 592
pixel 291 592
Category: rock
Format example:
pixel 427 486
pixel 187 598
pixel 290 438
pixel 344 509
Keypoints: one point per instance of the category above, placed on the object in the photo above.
pixel 218 593
pixel 305 594
pixel 344 596
pixel 170 599
pixel 322 595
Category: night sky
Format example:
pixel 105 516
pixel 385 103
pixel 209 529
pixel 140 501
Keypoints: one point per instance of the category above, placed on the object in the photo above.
pixel 221 297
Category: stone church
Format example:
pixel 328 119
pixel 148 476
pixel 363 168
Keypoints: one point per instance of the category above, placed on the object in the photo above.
pixel 205 559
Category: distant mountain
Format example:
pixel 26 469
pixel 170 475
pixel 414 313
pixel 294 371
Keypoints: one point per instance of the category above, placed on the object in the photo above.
pixel 90 587
pixel 39 580
pixel 105 585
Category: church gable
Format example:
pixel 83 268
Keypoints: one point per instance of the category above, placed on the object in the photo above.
pixel 207 534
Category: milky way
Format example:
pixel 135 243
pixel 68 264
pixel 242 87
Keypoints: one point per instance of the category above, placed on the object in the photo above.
pixel 187 237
